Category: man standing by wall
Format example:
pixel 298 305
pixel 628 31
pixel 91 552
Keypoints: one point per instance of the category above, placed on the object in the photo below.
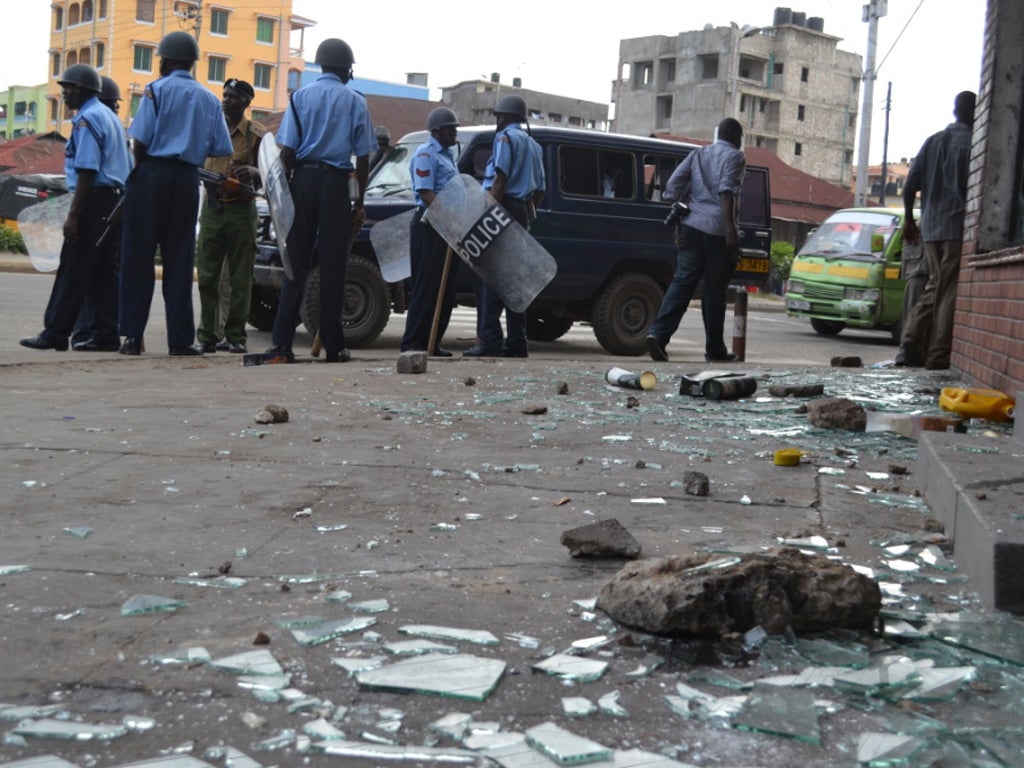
pixel 432 166
pixel 227 226
pixel 96 163
pixel 177 126
pixel 515 178
pixel 325 124
pixel 939 172
pixel 710 180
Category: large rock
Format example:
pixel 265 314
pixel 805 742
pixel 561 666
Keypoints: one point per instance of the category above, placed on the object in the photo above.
pixel 837 413
pixel 713 594
pixel 607 538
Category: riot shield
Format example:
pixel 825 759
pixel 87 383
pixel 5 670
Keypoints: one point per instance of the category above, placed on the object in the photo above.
pixel 390 241
pixel 491 242
pixel 42 229
pixel 279 196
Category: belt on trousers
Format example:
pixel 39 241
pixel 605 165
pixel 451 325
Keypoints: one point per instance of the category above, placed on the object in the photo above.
pixel 320 165
pixel 171 161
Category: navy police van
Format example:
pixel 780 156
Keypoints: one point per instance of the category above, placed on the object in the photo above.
pixel 602 219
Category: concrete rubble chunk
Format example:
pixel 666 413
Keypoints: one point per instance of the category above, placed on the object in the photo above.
pixel 837 413
pixel 607 538
pixel 847 362
pixel 412 362
pixel 796 390
pixel 707 595
pixel 696 484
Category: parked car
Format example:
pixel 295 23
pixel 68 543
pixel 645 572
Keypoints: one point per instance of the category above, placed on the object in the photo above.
pixel 602 219
pixel 848 273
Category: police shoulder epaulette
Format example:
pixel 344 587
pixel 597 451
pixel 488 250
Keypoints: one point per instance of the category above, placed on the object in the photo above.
pixel 504 137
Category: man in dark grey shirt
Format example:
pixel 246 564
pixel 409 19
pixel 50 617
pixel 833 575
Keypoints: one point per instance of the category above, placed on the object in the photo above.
pixel 939 172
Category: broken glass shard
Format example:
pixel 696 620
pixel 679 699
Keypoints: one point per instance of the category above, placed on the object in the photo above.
pixel 322 730
pixel 457 675
pixel 370 606
pixel 43 761
pixel 719 678
pixel 303 704
pixel 453 725
pixel 265 682
pixel 590 643
pixel 646 666
pixel 79 531
pixel 331 528
pixel 138 722
pixel 477 741
pixel 578 706
pixel 524 641
pixel 872 681
pixel 140 604
pixel 429 755
pixel 300 621
pixel 339 596
pixel 885 749
pixel 193 655
pixel 565 747
pixel 218 582
pixel 936 558
pixel 169 761
pixel 63 729
pixel 260 662
pixel 283 739
pixel 329 630
pixel 310 578
pixel 939 684
pixel 353 664
pixel 477 636
pixel 572 667
pixel 833 654
pixel 15 712
pixel 234 758
pixel 418 647
pixel 609 704
pixel 780 712
pixel 1000 639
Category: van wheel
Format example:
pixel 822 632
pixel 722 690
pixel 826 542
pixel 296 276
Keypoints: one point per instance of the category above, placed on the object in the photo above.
pixel 827 327
pixel 366 308
pixel 545 327
pixel 263 307
pixel 624 312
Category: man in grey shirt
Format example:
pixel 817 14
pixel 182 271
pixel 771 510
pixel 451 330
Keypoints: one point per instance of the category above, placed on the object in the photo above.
pixel 710 180
pixel 939 172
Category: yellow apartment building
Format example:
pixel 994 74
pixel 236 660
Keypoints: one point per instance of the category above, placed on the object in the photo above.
pixel 260 41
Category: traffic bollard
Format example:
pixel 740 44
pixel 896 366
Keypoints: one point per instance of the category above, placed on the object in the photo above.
pixel 739 327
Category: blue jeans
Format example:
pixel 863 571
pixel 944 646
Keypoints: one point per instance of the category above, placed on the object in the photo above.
pixel 703 256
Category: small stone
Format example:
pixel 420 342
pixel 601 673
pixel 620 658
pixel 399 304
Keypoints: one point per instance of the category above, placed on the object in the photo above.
pixel 225 568
pixel 412 362
pixel 696 483
pixel 847 362
pixel 535 410
pixel 837 413
pixel 279 412
pixel 897 469
pixel 563 388
pixel 261 638
pixel 607 538
pixel 263 416
pixel 632 402
pixel 469 381
pixel 796 390
pixel 640 464
pixel 980 495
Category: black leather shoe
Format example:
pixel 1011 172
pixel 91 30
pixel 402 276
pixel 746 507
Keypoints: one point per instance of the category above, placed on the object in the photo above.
pixel 44 341
pixel 91 345
pixel 193 351
pixel 341 356
pixel 281 350
pixel 728 357
pixel 235 347
pixel 133 345
pixel 209 347
pixel 515 352
pixel 222 346
pixel 441 352
pixel 656 349
pixel 479 350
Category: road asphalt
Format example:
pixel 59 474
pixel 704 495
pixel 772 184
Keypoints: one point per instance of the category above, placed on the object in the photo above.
pixel 439 499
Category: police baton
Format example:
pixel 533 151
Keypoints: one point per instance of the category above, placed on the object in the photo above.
pixel 111 217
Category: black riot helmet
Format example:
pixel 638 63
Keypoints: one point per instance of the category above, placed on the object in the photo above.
pixel 512 105
pixel 440 117
pixel 109 91
pixel 336 53
pixel 83 76
pixel 179 46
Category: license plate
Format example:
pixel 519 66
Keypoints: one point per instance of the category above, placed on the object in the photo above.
pixel 752 265
pixel 798 304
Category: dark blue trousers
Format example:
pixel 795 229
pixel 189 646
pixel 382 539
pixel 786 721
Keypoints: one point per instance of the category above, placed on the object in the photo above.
pixel 87 272
pixel 321 230
pixel 490 306
pixel 160 207
pixel 427 251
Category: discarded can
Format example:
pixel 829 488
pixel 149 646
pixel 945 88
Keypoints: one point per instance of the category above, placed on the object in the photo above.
pixel 692 384
pixel 787 457
pixel 978 403
pixel 729 388
pixel 620 377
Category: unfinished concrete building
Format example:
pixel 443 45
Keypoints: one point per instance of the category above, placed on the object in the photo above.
pixel 793 90
pixel 474 101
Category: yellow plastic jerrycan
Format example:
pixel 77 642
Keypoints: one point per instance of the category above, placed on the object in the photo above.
pixel 978 403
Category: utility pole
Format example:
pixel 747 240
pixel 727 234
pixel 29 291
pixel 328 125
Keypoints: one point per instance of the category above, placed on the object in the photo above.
pixel 873 11
pixel 885 145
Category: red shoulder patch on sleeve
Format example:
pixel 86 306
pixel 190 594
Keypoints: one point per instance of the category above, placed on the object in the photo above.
pixel 422 174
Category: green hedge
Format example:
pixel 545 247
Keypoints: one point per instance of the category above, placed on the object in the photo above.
pixel 11 240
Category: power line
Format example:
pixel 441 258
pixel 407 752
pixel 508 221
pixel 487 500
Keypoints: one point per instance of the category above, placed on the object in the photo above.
pixel 899 35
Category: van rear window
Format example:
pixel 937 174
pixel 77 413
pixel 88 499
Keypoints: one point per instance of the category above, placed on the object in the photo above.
pixel 586 172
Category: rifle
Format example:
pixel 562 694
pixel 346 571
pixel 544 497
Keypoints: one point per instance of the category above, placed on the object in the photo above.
pixel 229 183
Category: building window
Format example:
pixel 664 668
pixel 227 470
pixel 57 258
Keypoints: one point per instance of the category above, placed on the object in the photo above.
pixel 103 10
pixel 777 70
pixel 708 66
pixel 805 74
pixel 668 70
pixel 743 102
pixel 761 104
pixel 100 52
pixel 54 108
pixel 56 64
pixel 145 10
pixel 134 107
pixel 851 121
pixel 848 157
pixel 218 22
pixel 663 115
pixel 798 148
pixel 261 76
pixel 217 70
pixel 644 74
pixel 143 59
pixel 85 56
pixel 264 30
pixel 800 112
pixel 87 10
pixel 260 114
pixel 71 58
pixel 73 15
pixel 58 18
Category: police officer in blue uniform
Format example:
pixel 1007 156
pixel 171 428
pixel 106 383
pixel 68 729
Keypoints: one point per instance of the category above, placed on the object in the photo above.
pixel 325 124
pixel 96 164
pixel 515 178
pixel 177 126
pixel 432 166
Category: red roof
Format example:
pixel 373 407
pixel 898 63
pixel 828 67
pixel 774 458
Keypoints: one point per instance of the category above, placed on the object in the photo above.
pixel 40 153
pixel 796 196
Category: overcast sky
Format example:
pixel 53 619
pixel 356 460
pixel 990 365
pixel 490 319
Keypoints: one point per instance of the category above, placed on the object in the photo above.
pixel 931 48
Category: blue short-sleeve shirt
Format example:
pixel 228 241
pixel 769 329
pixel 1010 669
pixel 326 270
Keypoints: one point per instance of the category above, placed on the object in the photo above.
pixel 97 144
pixel 327 122
pixel 432 166
pixel 519 157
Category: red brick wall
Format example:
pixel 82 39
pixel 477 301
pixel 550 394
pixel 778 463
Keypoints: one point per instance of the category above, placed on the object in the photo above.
pixel 988 336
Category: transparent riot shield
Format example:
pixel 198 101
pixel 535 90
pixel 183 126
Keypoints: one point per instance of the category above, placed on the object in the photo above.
pixel 390 241
pixel 279 196
pixel 491 242
pixel 42 229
